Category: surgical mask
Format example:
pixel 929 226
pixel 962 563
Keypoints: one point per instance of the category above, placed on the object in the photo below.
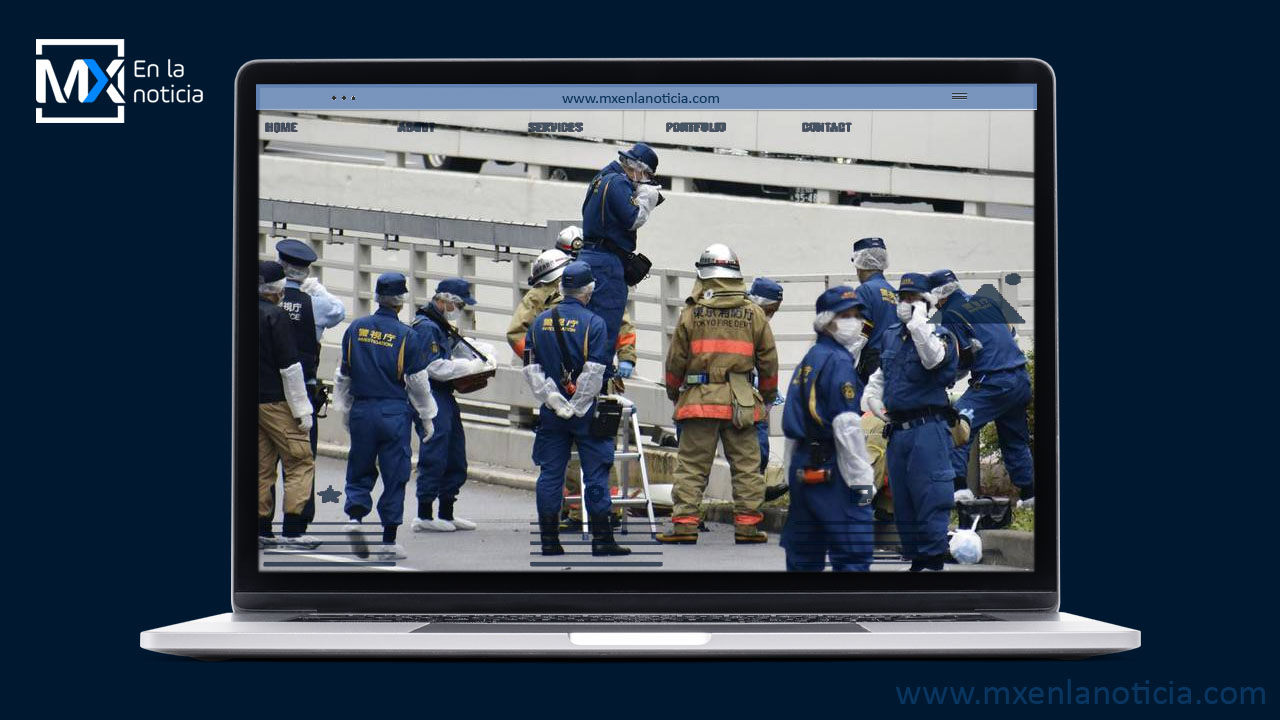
pixel 454 315
pixel 905 310
pixel 848 332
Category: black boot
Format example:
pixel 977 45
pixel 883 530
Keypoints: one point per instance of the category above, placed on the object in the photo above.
pixel 549 531
pixel 602 537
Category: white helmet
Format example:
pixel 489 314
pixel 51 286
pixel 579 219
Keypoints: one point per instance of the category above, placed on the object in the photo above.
pixel 548 267
pixel 570 240
pixel 718 261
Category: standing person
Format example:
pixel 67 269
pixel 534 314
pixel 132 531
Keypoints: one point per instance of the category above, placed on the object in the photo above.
pixel 766 293
pixel 830 472
pixel 544 292
pixel 619 200
pixel 567 351
pixel 379 384
pixel 312 310
pixel 442 461
pixel 909 392
pixel 284 419
pixel 570 242
pixel 719 341
pixel 871 258
pixel 999 386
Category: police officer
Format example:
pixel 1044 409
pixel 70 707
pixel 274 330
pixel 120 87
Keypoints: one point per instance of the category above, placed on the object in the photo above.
pixel 442 462
pixel 379 384
pixel 284 419
pixel 619 200
pixel 830 472
pixel 999 386
pixel 871 258
pixel 909 392
pixel 719 341
pixel 766 293
pixel 567 351
pixel 312 310
pixel 570 243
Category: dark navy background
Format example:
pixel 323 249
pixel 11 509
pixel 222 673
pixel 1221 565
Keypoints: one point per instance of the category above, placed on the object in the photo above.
pixel 117 354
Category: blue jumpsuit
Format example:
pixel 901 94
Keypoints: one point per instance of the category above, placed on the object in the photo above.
pixel 881 311
pixel 586 339
pixel 442 462
pixel 824 520
pixel 608 214
pixel 999 386
pixel 378 351
pixel 919 456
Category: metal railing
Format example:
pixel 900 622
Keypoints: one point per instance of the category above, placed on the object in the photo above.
pixel 428 248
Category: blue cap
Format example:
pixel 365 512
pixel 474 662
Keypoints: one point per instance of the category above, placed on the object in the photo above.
pixel 577 274
pixel 838 299
pixel 914 282
pixel 865 243
pixel 644 154
pixel 767 289
pixel 295 252
pixel 269 271
pixel 938 278
pixel 457 286
pixel 392 283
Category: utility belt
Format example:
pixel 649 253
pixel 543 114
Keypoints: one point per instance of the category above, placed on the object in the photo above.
pixel 907 419
pixel 635 266
pixel 705 379
pixel 821 455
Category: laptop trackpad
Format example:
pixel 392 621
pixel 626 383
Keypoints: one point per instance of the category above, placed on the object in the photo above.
pixel 642 639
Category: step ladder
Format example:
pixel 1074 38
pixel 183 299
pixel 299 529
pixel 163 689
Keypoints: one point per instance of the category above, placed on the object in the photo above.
pixel 628 446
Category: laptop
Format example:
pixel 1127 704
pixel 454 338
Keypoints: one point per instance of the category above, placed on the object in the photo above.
pixel 349 172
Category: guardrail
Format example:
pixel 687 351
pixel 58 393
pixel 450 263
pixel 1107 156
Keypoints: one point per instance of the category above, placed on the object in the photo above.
pixel 982 158
pixel 354 245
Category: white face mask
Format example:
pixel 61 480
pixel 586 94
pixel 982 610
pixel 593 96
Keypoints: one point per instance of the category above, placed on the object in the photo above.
pixel 454 315
pixel 848 332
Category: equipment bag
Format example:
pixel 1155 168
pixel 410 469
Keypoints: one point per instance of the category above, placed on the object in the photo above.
pixel 744 400
pixel 991 513
pixel 607 418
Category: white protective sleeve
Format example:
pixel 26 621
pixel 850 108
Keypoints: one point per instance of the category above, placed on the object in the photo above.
pixel 590 380
pixel 873 395
pixel 851 451
pixel 450 368
pixel 646 201
pixel 341 399
pixel 418 385
pixel 295 390
pixel 539 384
pixel 929 346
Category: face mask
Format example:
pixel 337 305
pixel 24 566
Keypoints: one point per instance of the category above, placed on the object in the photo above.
pixel 454 316
pixel 904 311
pixel 848 332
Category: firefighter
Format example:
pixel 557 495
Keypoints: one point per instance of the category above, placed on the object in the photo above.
pixel 619 200
pixel 442 461
pixel 721 339
pixel 284 419
pixel 380 383
pixel 909 392
pixel 567 351
pixel 830 471
pixel 1000 387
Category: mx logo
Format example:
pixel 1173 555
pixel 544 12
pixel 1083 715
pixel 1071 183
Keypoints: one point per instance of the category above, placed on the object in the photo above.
pixel 80 81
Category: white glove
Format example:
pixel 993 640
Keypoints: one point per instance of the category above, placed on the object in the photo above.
pixel 647 196
pixel 873 395
pixel 312 286
pixel 1028 504
pixel 966 494
pixel 428 429
pixel 876 406
pixel 904 311
pixel 919 312
pixel 556 402
pixel 304 422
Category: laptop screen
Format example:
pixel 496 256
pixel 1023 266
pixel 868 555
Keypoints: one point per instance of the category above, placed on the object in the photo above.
pixel 640 328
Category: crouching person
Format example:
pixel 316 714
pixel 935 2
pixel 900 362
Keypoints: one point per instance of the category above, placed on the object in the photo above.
pixel 567 351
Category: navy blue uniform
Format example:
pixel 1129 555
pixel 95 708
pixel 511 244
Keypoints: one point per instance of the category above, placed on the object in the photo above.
pixel 586 339
pixel 999 386
pixel 880 304
pixel 442 462
pixel 919 455
pixel 378 351
pixel 824 520
pixel 608 213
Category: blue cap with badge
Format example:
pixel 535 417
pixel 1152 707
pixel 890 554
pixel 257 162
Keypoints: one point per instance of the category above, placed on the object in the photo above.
pixel 766 288
pixel 457 286
pixel 938 278
pixel 392 283
pixel 838 299
pixel 913 282
pixel 642 153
